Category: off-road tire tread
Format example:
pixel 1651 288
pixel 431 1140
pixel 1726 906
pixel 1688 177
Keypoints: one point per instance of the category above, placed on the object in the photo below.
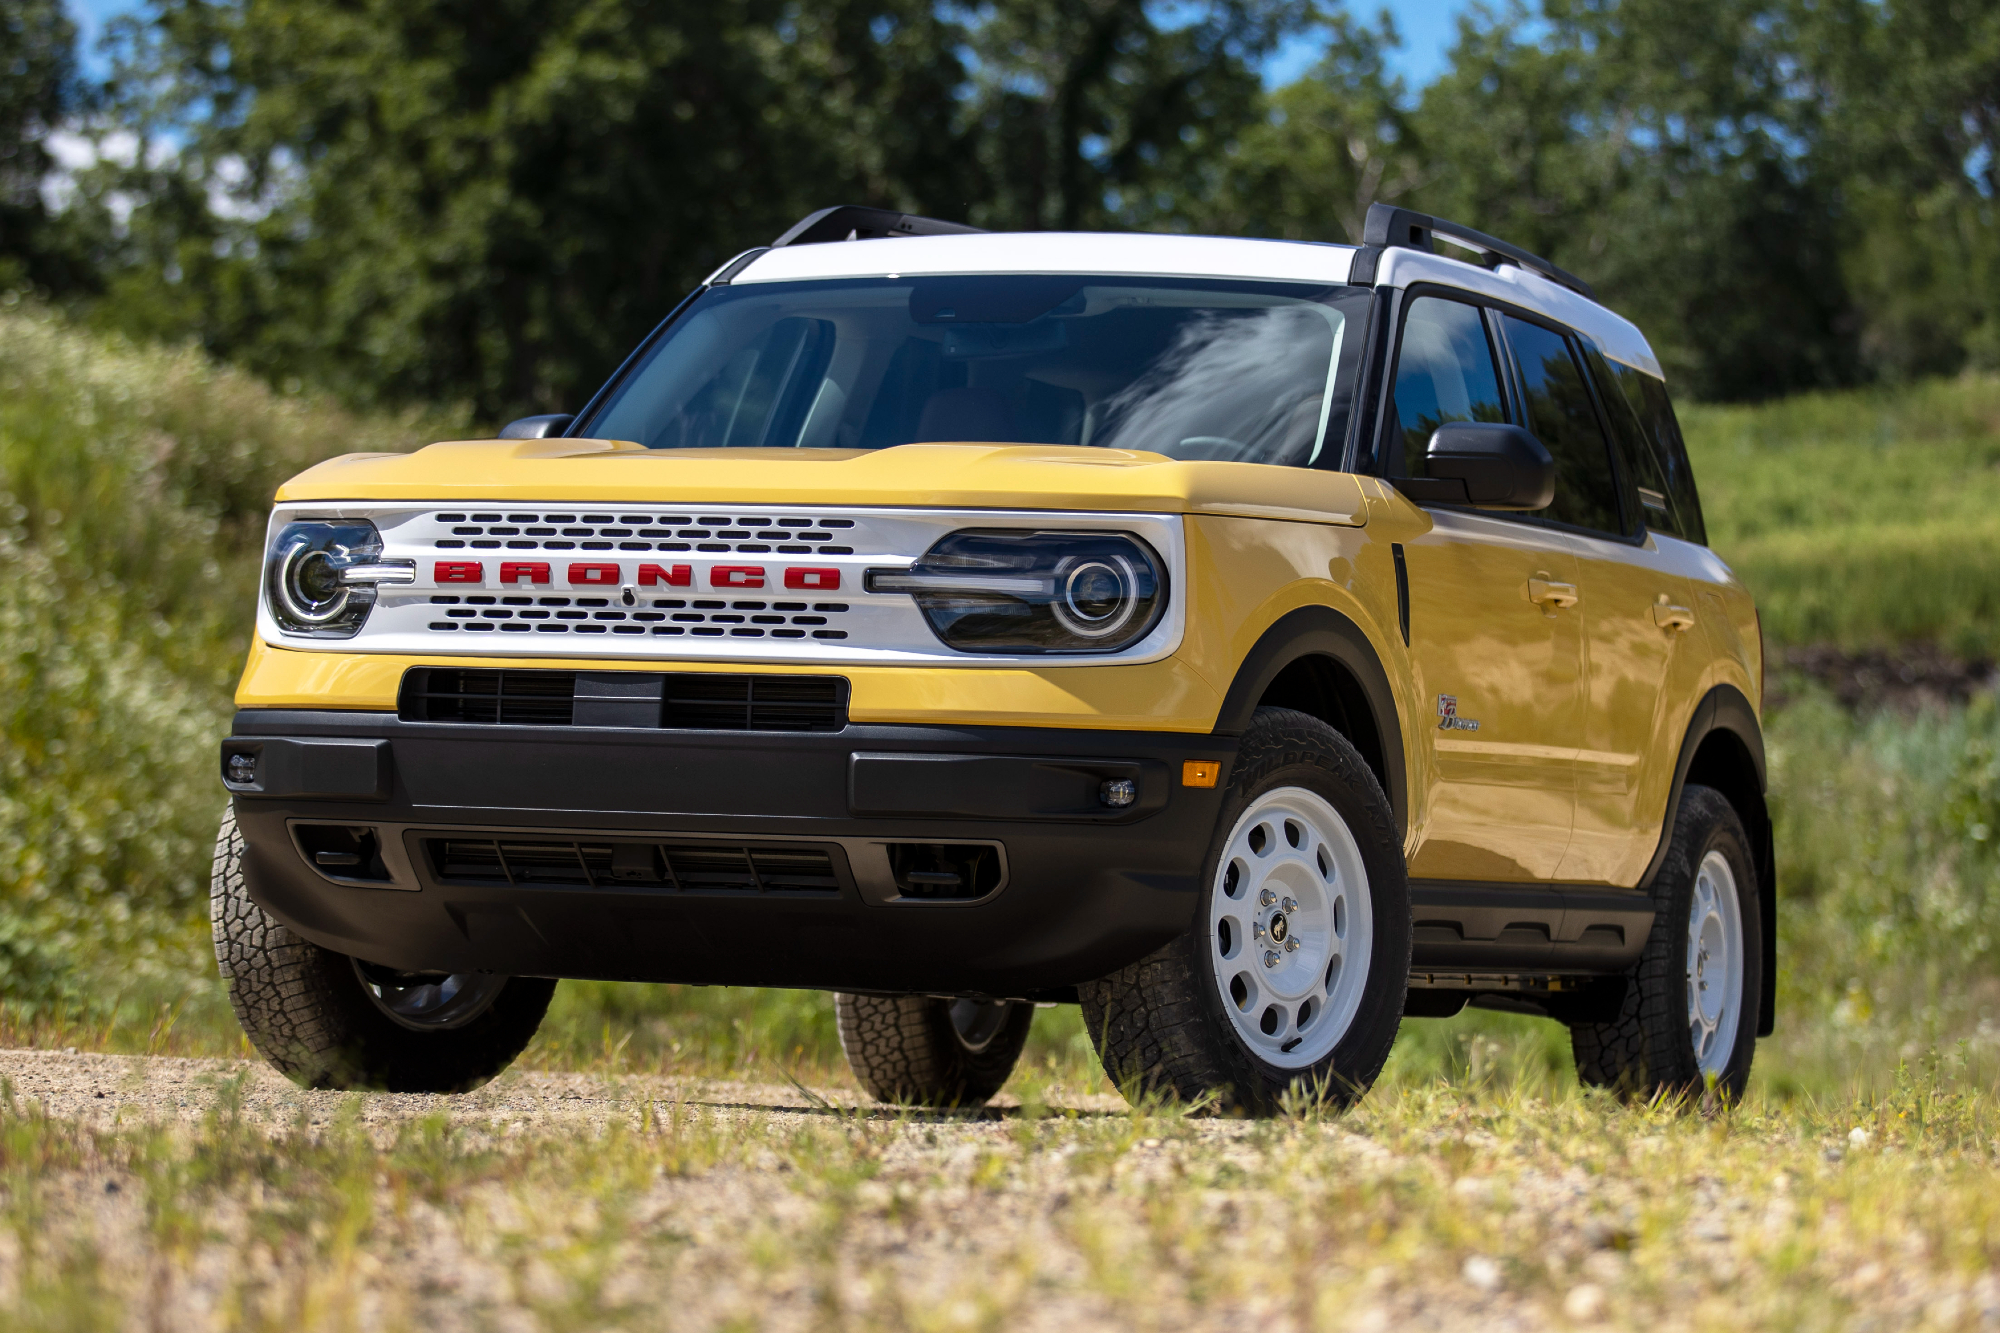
pixel 904 1050
pixel 1158 1028
pixel 1645 1052
pixel 304 1010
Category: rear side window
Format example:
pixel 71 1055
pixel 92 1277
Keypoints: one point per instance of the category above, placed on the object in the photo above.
pixel 1559 412
pixel 1445 372
pixel 1660 461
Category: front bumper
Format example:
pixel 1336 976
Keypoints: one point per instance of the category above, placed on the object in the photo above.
pixel 593 852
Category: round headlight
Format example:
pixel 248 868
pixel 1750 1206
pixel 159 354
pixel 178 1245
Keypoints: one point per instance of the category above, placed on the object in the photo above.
pixel 1099 595
pixel 303 577
pixel 1015 591
pixel 309 584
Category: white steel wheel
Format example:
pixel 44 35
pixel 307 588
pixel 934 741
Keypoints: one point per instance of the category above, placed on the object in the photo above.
pixel 1291 927
pixel 1714 964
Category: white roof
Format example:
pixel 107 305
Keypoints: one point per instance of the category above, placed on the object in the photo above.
pixel 1144 254
pixel 1619 337
pixel 1136 253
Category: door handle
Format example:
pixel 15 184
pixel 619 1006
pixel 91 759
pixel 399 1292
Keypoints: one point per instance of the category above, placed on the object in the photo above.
pixel 1544 592
pixel 1668 616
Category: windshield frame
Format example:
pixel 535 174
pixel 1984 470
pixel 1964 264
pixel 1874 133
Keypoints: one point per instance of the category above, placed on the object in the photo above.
pixel 1339 423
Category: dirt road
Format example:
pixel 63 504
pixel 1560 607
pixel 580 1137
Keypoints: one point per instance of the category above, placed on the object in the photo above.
pixel 174 1194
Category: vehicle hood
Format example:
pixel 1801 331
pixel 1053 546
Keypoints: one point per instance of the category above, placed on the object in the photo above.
pixel 968 476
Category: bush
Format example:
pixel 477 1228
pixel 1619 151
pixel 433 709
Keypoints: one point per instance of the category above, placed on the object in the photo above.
pixel 133 488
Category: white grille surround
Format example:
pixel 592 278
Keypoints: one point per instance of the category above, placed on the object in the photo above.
pixel 645 613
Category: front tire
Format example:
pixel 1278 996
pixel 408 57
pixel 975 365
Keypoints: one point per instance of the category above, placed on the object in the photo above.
pixel 326 1020
pixel 1294 971
pixel 1687 1012
pixel 922 1050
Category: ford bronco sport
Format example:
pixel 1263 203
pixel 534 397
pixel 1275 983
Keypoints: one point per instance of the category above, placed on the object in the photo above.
pixel 1255 642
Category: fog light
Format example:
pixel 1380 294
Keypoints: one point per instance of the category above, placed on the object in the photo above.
pixel 243 769
pixel 1118 792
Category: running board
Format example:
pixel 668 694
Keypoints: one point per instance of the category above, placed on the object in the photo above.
pixel 1465 927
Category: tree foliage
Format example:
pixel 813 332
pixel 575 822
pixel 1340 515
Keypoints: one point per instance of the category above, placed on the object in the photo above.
pixel 489 202
pixel 38 90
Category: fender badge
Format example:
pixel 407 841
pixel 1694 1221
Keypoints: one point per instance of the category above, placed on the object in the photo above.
pixel 1448 718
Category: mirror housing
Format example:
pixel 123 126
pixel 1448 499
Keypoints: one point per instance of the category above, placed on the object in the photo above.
pixel 1488 465
pixel 536 428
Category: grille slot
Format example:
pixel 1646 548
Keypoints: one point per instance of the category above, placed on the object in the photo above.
pixel 680 867
pixel 749 703
pixel 694 701
pixel 746 534
pixel 742 620
pixel 499 698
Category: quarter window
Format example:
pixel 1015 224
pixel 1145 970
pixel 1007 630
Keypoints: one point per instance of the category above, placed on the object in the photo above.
pixel 1661 461
pixel 1445 372
pixel 1559 411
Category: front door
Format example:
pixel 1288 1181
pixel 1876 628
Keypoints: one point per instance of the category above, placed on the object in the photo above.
pixel 1495 633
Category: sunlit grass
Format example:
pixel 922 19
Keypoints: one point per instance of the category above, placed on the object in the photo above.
pixel 1865 517
pixel 1461 1194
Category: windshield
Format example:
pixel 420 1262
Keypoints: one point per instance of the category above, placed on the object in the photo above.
pixel 1194 369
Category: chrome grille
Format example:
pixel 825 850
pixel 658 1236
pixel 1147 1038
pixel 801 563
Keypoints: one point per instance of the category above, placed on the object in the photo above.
pixel 642 581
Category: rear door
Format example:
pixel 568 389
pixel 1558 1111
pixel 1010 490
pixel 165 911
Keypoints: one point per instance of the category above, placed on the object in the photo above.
pixel 1640 663
pixel 1495 637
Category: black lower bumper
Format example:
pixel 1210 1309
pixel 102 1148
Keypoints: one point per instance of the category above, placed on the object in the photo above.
pixel 973 860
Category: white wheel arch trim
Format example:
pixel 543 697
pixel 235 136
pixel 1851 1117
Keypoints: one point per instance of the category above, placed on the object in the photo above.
pixel 1291 927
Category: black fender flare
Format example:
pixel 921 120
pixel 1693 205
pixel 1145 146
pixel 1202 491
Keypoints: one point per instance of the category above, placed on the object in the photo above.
pixel 1321 631
pixel 1724 709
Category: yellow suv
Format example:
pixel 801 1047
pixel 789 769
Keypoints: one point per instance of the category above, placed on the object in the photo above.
pixel 1255 642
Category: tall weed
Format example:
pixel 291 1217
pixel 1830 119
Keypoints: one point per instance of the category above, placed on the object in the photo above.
pixel 133 487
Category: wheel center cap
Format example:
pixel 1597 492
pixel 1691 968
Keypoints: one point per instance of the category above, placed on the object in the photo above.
pixel 1279 927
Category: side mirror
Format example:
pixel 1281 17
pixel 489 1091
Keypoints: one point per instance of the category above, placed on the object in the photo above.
pixel 1498 466
pixel 537 428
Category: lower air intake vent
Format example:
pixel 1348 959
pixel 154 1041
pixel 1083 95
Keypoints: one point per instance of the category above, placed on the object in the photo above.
pixel 683 867
pixel 680 701
pixel 504 698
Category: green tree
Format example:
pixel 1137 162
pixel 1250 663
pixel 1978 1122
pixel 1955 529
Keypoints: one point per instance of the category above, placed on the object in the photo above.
pixel 1099 113
pixel 38 91
pixel 1662 149
pixel 1914 87
pixel 1329 145
pixel 490 202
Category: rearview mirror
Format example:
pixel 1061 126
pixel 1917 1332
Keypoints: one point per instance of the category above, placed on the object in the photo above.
pixel 536 428
pixel 1498 466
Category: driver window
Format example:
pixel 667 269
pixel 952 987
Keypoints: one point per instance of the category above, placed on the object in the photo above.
pixel 1445 372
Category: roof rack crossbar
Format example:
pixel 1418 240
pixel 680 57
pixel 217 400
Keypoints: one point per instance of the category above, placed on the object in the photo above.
pixel 854 222
pixel 1391 226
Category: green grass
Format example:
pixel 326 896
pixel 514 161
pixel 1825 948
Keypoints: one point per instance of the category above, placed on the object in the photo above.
pixel 588 1204
pixel 1862 518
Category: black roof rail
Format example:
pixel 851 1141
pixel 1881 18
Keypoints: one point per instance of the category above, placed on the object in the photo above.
pixel 1392 226
pixel 854 222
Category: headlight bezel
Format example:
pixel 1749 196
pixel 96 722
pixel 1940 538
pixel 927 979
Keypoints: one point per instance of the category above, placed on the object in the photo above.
pixel 321 575
pixel 1036 592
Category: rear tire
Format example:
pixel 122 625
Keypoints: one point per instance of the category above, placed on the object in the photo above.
pixel 919 1050
pixel 326 1020
pixel 1305 854
pixel 1688 1011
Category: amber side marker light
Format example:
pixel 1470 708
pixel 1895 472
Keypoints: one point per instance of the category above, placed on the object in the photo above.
pixel 1200 773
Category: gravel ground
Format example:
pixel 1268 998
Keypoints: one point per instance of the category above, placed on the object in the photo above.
pixel 150 1193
